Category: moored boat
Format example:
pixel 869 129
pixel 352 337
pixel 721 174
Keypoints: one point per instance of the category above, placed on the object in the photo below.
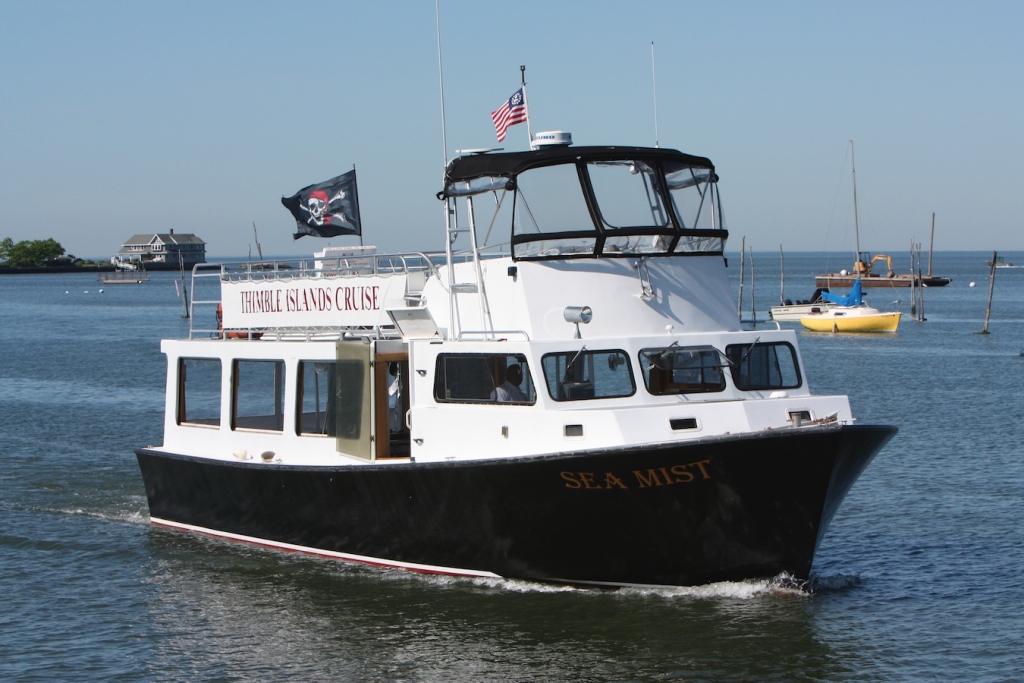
pixel 792 311
pixel 852 319
pixel 850 313
pixel 124 277
pixel 125 273
pixel 862 271
pixel 576 402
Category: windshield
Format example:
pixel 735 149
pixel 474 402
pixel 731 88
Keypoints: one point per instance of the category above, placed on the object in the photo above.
pixel 630 207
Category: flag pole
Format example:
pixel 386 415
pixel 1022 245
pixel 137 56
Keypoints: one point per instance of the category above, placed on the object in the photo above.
pixel 359 216
pixel 529 130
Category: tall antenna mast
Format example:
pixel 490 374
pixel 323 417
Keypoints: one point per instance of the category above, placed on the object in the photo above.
pixel 440 76
pixel 654 78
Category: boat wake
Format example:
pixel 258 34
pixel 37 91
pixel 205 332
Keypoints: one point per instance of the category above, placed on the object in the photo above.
pixel 781 585
pixel 752 589
pixel 133 515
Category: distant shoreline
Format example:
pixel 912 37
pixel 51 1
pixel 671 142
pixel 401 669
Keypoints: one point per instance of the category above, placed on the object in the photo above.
pixel 100 268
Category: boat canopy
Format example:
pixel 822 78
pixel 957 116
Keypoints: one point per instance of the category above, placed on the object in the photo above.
pixel 587 202
pixel 854 298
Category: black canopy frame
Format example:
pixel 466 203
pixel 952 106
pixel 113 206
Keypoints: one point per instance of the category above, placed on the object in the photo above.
pixel 480 173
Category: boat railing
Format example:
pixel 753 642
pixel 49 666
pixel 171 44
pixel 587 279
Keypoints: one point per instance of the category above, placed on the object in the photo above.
pixel 893 306
pixel 207 278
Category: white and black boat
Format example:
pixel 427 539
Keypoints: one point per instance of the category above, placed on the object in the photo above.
pixel 792 311
pixel 357 406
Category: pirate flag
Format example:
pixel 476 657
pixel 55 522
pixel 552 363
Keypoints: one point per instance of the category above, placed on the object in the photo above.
pixel 326 209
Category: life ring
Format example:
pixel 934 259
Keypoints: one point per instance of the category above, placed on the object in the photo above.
pixel 232 334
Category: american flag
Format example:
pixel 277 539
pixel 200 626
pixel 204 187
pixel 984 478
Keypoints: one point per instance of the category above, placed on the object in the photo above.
pixel 511 112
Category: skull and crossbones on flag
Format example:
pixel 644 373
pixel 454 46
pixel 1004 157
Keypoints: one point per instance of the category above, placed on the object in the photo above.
pixel 326 209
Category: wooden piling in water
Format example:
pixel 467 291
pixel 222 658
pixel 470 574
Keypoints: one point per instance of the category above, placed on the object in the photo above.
pixel 914 284
pixel 753 280
pixel 991 286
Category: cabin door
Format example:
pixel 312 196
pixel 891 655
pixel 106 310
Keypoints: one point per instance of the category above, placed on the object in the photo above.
pixel 391 404
pixel 353 407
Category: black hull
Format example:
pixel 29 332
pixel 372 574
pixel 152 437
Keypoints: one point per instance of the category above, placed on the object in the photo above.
pixel 675 514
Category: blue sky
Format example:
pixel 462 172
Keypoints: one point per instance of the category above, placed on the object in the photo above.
pixel 121 117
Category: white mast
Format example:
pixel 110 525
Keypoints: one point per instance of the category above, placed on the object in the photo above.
pixel 440 77
pixel 448 209
pixel 856 226
pixel 654 78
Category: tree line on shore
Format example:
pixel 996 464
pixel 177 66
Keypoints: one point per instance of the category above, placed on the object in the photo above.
pixel 36 254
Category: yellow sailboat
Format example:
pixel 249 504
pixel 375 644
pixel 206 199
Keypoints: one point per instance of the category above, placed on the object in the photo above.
pixel 850 314
pixel 854 319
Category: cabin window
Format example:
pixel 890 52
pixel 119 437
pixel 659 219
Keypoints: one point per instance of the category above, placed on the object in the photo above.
pixel 764 366
pixel 316 398
pixel 584 374
pixel 551 214
pixel 682 370
pixel 259 395
pixel 199 391
pixel 484 378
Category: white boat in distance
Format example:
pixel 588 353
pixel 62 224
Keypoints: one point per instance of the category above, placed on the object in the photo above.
pixel 792 311
pixel 351 408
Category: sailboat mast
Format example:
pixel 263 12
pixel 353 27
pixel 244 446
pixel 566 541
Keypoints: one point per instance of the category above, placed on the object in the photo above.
pixel 856 226
pixel 931 246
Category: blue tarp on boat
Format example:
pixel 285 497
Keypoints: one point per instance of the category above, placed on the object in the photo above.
pixel 854 298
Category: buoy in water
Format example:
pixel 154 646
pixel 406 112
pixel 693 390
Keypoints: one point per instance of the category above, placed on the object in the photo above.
pixel 971 285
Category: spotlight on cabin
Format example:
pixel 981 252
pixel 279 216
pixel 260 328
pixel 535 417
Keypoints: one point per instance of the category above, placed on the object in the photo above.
pixel 577 315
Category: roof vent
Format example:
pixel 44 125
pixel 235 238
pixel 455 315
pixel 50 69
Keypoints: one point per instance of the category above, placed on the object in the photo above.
pixel 551 138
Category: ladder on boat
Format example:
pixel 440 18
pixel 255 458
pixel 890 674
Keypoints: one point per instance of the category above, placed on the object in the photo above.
pixel 466 286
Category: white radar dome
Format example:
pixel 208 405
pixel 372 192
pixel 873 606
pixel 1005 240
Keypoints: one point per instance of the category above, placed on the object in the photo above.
pixel 551 138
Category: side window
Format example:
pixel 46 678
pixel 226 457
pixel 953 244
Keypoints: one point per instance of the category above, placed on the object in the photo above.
pixel 577 375
pixel 764 366
pixel 259 395
pixel 316 397
pixel 682 370
pixel 199 391
pixel 483 378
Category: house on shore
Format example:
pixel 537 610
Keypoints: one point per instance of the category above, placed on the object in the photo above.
pixel 168 249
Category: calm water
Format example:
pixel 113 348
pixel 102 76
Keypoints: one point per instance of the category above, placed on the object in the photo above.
pixel 919 577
